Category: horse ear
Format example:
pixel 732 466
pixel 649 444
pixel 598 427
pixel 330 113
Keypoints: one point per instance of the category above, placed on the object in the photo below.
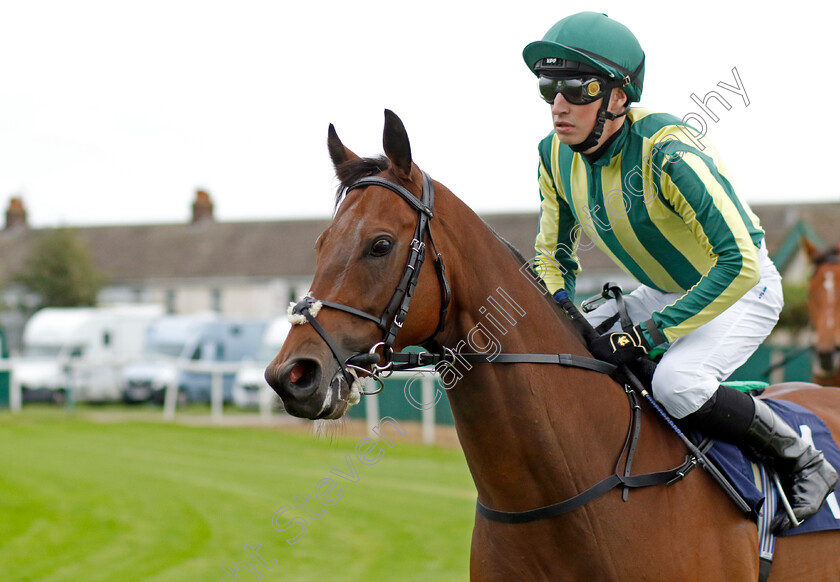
pixel 338 152
pixel 810 249
pixel 395 142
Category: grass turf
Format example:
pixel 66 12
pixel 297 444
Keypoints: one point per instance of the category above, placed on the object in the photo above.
pixel 84 500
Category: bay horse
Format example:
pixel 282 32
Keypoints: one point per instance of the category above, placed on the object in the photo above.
pixel 532 434
pixel 824 312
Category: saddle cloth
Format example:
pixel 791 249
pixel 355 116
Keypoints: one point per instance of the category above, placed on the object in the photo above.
pixel 742 470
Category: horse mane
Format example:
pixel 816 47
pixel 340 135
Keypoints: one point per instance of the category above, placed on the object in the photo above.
pixel 350 171
pixel 538 280
pixel 519 256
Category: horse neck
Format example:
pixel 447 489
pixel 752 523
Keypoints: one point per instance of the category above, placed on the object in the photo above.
pixel 541 422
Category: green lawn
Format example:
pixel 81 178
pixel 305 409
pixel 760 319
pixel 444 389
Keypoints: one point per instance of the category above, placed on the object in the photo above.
pixel 91 501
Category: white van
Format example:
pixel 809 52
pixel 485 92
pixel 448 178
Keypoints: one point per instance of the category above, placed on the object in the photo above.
pixel 250 380
pixel 81 349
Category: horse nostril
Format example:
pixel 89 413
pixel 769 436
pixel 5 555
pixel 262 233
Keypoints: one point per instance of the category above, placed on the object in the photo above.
pixel 297 372
pixel 297 378
pixel 304 374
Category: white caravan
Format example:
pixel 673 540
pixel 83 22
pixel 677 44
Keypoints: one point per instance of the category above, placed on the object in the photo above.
pixel 81 349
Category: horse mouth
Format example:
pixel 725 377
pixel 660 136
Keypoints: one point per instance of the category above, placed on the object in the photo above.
pixel 340 398
pixel 331 403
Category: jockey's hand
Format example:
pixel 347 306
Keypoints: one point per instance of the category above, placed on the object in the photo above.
pixel 620 347
pixel 561 295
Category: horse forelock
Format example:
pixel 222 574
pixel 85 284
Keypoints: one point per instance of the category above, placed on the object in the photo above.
pixel 830 255
pixel 351 171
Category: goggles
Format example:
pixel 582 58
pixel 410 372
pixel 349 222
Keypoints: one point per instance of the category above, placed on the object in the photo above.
pixel 577 91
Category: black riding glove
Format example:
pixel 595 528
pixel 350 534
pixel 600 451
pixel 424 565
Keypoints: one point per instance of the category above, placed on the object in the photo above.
pixel 620 347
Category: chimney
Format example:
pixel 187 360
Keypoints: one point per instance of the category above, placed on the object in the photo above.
pixel 15 215
pixel 202 208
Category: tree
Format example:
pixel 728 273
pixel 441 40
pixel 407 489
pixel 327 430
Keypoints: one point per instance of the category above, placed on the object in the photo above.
pixel 60 271
pixel 794 316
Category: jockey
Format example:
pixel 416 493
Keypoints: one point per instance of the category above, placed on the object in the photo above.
pixel 663 208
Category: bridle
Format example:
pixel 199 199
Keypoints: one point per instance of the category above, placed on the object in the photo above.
pixel 394 314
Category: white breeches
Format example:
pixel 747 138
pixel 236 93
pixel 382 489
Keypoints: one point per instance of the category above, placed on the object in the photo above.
pixel 694 365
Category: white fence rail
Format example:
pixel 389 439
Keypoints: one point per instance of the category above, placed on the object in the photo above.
pixel 217 371
pixel 73 370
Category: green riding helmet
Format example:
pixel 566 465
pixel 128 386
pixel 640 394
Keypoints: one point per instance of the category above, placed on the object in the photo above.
pixel 594 40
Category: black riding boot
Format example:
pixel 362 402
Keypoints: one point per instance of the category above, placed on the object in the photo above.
pixel 809 477
pixel 735 417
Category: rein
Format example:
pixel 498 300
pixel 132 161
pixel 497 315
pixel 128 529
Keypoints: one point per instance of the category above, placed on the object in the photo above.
pixel 392 319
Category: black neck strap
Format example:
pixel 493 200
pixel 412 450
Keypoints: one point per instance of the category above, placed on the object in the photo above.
pixel 593 137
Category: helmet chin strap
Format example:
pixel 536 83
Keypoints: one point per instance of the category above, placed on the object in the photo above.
pixel 592 139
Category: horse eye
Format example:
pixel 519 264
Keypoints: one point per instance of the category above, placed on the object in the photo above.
pixel 380 247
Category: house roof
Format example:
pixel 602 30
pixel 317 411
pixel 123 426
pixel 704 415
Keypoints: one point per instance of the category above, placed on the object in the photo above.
pixel 210 249
pixel 820 220
pixel 784 225
pixel 207 249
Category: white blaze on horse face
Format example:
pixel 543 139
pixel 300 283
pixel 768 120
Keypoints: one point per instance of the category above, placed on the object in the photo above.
pixel 347 257
pixel 828 286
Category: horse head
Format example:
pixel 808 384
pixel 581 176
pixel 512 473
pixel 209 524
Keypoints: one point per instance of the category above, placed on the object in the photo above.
pixel 369 265
pixel 824 306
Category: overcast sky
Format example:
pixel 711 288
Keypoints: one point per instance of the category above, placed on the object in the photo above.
pixel 116 112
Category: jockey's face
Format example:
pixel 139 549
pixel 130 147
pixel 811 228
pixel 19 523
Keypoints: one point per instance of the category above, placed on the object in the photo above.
pixel 574 123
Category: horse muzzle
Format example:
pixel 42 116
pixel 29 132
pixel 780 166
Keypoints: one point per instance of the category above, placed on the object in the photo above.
pixel 309 389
